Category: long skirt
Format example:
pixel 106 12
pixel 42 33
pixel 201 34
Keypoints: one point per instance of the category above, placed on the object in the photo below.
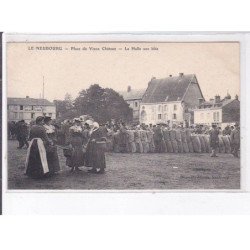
pixel 36 165
pixel 96 155
pixel 77 158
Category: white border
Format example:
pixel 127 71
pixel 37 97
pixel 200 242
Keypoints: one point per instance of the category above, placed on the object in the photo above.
pixel 149 202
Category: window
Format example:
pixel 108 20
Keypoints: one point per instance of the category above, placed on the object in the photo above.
pixel 15 115
pixel 32 115
pixel 159 116
pixel 136 104
pixel 159 108
pixel 165 108
pixel 174 116
pixel 216 116
pixel 165 117
pixel 21 107
pixel 175 107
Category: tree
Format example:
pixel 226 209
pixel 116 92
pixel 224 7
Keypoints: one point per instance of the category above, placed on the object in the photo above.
pixel 65 108
pixel 103 104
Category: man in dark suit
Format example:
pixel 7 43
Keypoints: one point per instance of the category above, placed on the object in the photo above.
pixel 235 140
pixel 214 140
pixel 22 134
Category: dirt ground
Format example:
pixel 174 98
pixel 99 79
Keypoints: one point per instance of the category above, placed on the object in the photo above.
pixel 133 172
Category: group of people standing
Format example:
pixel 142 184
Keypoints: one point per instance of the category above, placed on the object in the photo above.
pixel 84 143
pixel 82 146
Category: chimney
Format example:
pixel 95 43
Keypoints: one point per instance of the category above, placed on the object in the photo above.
pixel 181 74
pixel 228 96
pixel 129 89
pixel 200 101
pixel 217 99
pixel 27 96
pixel 170 75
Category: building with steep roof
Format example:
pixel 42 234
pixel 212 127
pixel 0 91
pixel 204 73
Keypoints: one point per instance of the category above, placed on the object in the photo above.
pixel 29 109
pixel 219 111
pixel 170 100
pixel 133 97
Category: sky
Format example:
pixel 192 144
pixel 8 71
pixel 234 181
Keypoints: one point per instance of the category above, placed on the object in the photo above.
pixel 69 70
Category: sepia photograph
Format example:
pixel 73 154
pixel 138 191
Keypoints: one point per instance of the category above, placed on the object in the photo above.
pixel 123 115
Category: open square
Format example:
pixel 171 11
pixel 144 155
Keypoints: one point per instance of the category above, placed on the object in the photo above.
pixel 164 171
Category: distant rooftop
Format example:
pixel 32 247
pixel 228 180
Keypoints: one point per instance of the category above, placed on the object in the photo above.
pixel 29 101
pixel 218 102
pixel 132 94
pixel 169 89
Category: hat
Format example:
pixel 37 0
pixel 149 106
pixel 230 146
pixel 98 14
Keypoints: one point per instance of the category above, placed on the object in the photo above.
pixel 47 118
pixel 95 125
pixel 89 122
pixel 39 119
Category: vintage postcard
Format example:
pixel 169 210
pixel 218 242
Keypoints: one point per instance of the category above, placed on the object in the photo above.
pixel 113 113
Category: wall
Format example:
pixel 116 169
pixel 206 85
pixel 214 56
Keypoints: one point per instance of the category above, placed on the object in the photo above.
pixel 207 116
pixel 151 113
pixel 135 105
pixel 192 96
pixel 16 114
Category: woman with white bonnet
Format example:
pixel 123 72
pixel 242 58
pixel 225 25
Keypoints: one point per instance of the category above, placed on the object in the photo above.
pixel 96 150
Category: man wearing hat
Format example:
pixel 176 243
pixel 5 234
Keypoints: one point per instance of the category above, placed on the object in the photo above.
pixel 235 140
pixel 214 140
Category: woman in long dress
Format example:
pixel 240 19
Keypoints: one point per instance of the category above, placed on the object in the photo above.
pixel 38 164
pixel 96 150
pixel 76 159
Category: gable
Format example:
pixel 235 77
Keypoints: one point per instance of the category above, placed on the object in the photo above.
pixel 193 94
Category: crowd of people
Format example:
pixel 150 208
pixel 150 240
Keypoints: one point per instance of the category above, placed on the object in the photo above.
pixel 84 142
